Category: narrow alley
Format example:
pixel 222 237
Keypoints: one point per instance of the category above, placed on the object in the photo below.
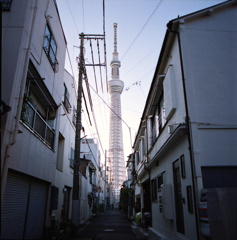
pixel 111 225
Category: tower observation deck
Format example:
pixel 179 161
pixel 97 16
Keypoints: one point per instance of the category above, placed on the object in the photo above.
pixel 117 170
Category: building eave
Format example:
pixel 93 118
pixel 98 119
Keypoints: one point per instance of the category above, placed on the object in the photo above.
pixel 178 133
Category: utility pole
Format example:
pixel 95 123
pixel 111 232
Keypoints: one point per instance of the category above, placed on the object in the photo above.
pixel 76 174
pixel 75 192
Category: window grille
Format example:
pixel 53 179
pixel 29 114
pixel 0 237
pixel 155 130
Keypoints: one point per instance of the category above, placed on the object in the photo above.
pixel 50 48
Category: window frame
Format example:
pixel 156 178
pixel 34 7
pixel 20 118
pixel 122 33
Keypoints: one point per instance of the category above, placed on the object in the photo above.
pixel 38 112
pixel 160 181
pixel 50 47
pixel 66 102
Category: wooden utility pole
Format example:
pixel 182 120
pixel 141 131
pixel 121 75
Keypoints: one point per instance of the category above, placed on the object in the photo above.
pixel 75 192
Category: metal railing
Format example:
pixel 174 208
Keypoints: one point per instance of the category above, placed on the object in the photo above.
pixel 32 119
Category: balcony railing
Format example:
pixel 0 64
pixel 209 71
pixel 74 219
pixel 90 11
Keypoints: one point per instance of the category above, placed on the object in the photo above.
pixel 32 119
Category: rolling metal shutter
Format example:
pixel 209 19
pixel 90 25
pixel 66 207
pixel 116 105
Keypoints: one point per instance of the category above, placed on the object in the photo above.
pixel 36 210
pixel 24 207
pixel 14 207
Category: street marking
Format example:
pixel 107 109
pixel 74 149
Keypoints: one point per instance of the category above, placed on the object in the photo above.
pixel 108 230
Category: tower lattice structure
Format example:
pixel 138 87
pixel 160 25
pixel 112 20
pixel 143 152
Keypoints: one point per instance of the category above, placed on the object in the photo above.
pixel 116 153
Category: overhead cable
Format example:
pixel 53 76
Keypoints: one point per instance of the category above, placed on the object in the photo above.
pixel 93 64
pixel 73 17
pixel 105 58
pixel 98 47
pixel 148 20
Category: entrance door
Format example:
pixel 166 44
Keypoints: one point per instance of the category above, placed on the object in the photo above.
pixel 178 197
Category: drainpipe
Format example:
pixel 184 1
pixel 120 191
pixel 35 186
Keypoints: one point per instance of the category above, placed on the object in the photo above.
pixel 19 105
pixel 194 183
pixel 149 172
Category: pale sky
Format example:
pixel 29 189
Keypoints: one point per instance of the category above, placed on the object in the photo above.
pixel 141 30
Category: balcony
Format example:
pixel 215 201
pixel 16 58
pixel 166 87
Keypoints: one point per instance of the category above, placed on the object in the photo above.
pixel 32 119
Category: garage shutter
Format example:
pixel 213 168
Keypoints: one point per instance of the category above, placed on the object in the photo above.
pixel 36 210
pixel 14 207
pixel 24 207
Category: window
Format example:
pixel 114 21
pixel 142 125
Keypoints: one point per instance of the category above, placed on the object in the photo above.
pixel 66 102
pixel 155 126
pixel 61 143
pixel 90 174
pixel 38 108
pixel 72 152
pixel 50 48
pixel 189 198
pixel 160 180
pixel 137 157
pixel 161 112
pixel 6 5
pixel 74 116
pixel 182 162
pixel 154 189
pixel 158 119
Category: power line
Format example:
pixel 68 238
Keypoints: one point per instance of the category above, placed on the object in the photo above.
pixel 107 85
pixel 138 83
pixel 138 62
pixel 148 20
pixel 109 107
pixel 73 17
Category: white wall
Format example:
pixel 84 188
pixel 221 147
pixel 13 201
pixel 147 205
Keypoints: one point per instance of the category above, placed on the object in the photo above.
pixel 67 130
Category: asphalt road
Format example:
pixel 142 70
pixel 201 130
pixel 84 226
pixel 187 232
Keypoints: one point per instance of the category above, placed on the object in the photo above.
pixel 111 225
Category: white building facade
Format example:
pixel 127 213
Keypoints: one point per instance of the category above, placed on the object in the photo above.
pixel 33 49
pixel 63 182
pixel 185 150
pixel 91 180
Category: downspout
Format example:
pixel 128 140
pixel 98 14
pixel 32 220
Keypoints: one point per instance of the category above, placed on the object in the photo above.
pixel 149 172
pixel 195 192
pixel 19 105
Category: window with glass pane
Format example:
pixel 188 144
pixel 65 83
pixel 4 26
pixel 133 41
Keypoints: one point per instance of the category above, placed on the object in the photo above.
pixel 50 47
pixel 6 5
pixel 66 102
pixel 37 114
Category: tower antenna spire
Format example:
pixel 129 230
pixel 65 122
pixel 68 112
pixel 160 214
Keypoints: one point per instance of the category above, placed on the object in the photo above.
pixel 116 154
pixel 115 37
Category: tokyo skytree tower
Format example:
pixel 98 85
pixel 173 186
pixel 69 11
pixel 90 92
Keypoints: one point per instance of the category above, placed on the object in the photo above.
pixel 117 170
